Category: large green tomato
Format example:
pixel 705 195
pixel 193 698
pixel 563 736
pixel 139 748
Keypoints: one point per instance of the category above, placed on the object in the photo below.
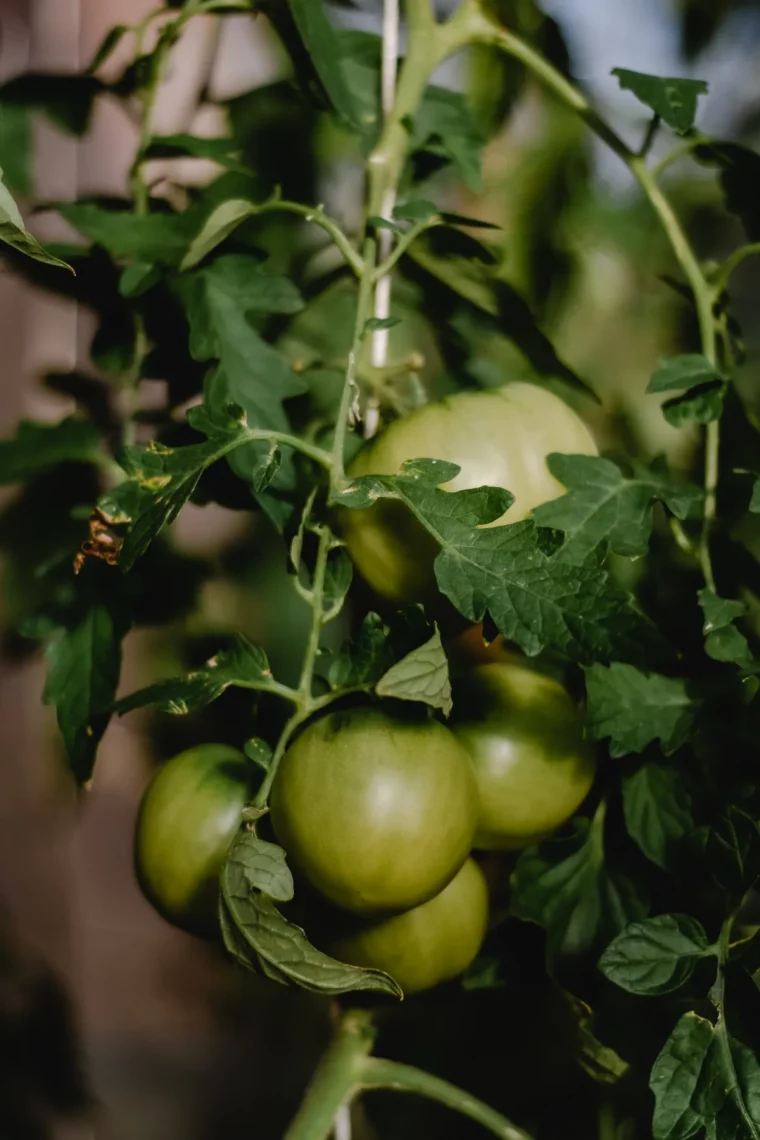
pixel 499 438
pixel 188 817
pixel 525 738
pixel 376 811
pixel 425 945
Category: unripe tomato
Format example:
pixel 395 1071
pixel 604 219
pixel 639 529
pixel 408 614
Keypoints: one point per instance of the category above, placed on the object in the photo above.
pixel 376 811
pixel 428 944
pixel 525 738
pixel 499 438
pixel 188 817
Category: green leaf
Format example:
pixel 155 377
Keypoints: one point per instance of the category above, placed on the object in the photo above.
pixel 339 574
pixel 732 849
pixel 364 660
pixel 264 866
pixel 656 956
pixel 603 506
pixel 445 124
pixel 374 324
pixel 676 373
pixel 534 599
pixel 417 210
pixel 218 226
pixel 39 447
pixel 16 149
pixel 14 233
pixel 423 675
pixel 566 886
pixel 705 1079
pixel 723 641
pixel 150 238
pixel 599 1061
pixel 243 665
pixel 83 665
pixel 739 172
pixel 266 469
pixel 674 100
pixel 259 751
pixel 67 100
pixel 699 405
pixel 224 152
pixel 658 814
pixel 138 278
pixel 324 49
pixel 634 708
pixel 264 941
pixel 108 45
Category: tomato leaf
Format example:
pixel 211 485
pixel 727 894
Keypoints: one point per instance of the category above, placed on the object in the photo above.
pixel 656 956
pixel 444 123
pixel 67 100
pixel 364 660
pixel 677 373
pixel 535 600
pixel 599 1061
pixel 160 238
pixel 83 665
pixel 324 49
pixel 423 675
pixel 658 812
pixel 705 1080
pixel 603 506
pixel 39 447
pixel 634 708
pixel 222 151
pixel 260 752
pixel 739 171
pixel 339 574
pixel 265 941
pixel 723 641
pixel 242 665
pixel 674 100
pixel 264 866
pixel 732 849
pixel 14 233
pixel 566 886
pixel 699 405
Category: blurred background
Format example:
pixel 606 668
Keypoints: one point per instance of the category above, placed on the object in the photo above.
pixel 116 1025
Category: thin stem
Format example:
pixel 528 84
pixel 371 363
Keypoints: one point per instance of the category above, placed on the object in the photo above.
pixel 651 133
pixel 337 1080
pixel 402 245
pixel 381 1074
pixel 720 281
pixel 317 618
pixel 318 454
pixel 317 215
pixel 718 996
pixel 679 151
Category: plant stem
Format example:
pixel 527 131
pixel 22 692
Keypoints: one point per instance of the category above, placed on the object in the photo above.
pixel 337 1080
pixel 729 265
pixel 381 1074
pixel 402 245
pixel 481 29
pixel 316 215
pixel 317 619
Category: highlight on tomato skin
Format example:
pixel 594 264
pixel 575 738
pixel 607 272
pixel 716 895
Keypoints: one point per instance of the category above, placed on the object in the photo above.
pixel 189 815
pixel 525 738
pixel 376 809
pixel 499 438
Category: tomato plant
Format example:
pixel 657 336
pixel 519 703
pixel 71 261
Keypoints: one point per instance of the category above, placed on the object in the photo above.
pixel 445 389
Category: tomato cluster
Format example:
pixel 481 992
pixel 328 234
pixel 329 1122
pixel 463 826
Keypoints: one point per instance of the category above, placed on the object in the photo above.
pixel 379 806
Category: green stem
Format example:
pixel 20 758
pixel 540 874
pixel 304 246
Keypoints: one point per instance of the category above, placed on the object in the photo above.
pixel 717 995
pixel 480 29
pixel 679 151
pixel 317 215
pixel 402 245
pixel 317 619
pixel 381 1074
pixel 734 259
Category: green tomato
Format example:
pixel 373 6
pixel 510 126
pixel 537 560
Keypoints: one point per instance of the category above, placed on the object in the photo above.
pixel 428 944
pixel 525 738
pixel 499 438
pixel 188 817
pixel 376 811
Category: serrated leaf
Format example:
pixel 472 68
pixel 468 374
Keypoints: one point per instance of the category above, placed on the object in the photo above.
pixel 703 1078
pixel 243 665
pixel 673 99
pixel 634 708
pixel 603 506
pixel 423 675
pixel 723 641
pixel 566 886
pixel 160 238
pixel 656 956
pixel 222 151
pixel 444 122
pixel 677 373
pixel 280 949
pixel 264 866
pixel 14 233
pixel 657 809
pixel 535 600
pixel 39 447
pixel 363 660
pixel 83 665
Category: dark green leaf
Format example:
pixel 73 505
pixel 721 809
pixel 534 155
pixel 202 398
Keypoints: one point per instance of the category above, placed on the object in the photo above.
pixel 259 751
pixel 599 1061
pixel 674 100
pixel 657 955
pixel 110 42
pixel 444 122
pixel 266 469
pixel 732 849
pixel 14 233
pixel 138 278
pixel 280 950
pixel 374 324
pixel 83 665
pixel 223 152
pixel 363 660
pixel 38 447
pixel 699 405
pixel 16 143
pixel 535 600
pixel 242 665
pixel 634 708
pixel 740 170
pixel 218 226
pixel 704 1079
pixel 603 506
pixel 339 574
pixel 566 886
pixel 676 373
pixel 417 210
pixel 658 815
pixel 723 641
pixel 264 866
pixel 151 238
pixel 324 49
pixel 423 675
pixel 378 223
pixel 67 100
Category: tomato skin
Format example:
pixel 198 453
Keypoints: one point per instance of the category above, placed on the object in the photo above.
pixel 189 815
pixel 525 738
pixel 376 811
pixel 499 438
pixel 429 944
